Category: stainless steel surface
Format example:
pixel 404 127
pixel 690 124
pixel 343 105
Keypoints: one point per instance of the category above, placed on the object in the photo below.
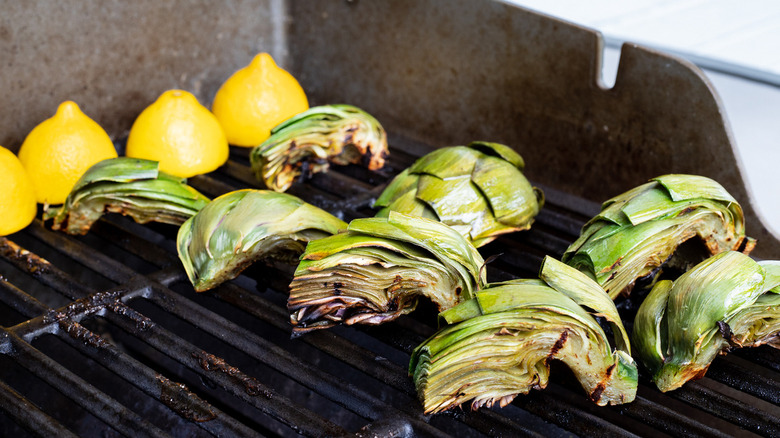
pixel 441 72
pixel 434 73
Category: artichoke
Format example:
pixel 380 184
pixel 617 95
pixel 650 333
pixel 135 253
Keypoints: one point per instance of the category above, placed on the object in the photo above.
pixel 243 226
pixel 500 343
pixel 640 230
pixel 130 186
pixel 727 301
pixel 477 189
pixel 378 269
pixel 307 142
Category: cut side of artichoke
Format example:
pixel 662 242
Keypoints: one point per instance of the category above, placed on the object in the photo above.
pixel 728 301
pixel 241 227
pixel 378 269
pixel 130 186
pixel 500 343
pixel 478 189
pixel 308 142
pixel 640 230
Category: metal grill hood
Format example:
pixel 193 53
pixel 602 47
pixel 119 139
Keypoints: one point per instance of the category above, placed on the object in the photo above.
pixel 103 334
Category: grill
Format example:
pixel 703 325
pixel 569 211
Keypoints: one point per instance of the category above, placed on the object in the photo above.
pixel 104 332
pixel 102 335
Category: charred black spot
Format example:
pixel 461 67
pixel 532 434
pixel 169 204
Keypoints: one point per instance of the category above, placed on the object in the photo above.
pixel 338 285
pixel 595 396
pixel 558 345
pixel 392 306
pixel 728 335
pixel 458 290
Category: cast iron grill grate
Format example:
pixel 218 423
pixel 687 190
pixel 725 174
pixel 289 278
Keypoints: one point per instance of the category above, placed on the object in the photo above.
pixel 103 336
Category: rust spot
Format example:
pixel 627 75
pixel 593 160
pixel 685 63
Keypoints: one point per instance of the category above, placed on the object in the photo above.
pixel 184 402
pixel 209 362
pixel 610 369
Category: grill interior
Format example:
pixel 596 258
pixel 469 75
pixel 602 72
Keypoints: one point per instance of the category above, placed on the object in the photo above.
pixel 104 336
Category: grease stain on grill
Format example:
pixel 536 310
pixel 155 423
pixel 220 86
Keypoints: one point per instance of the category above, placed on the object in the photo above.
pixel 183 401
pixel 34 264
pixel 252 386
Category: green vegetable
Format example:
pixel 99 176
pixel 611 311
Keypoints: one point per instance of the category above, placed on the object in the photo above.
pixel 477 189
pixel 241 227
pixel 725 302
pixel 308 142
pixel 378 269
pixel 130 186
pixel 500 343
pixel 640 230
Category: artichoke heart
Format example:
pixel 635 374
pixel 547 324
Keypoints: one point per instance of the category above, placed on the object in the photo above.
pixel 130 186
pixel 479 190
pixel 640 230
pixel 378 269
pixel 500 343
pixel 241 227
pixel 306 143
pixel 727 301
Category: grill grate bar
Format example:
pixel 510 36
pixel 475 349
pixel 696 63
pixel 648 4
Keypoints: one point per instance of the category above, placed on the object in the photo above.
pixel 360 358
pixel 80 391
pixel 107 355
pixel 29 416
pixel 723 406
pixel 306 422
pixel 333 388
pixel 746 377
pixel 348 192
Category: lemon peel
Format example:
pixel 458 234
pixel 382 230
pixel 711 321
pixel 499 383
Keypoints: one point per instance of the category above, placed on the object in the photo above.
pixel 60 149
pixel 17 199
pixel 180 133
pixel 255 99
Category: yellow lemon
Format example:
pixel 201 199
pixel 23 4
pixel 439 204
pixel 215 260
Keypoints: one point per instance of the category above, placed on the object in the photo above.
pixel 181 134
pixel 255 99
pixel 60 149
pixel 17 198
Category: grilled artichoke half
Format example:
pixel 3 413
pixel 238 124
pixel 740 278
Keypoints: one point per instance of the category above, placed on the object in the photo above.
pixel 308 142
pixel 378 269
pixel 725 302
pixel 500 343
pixel 477 189
pixel 241 227
pixel 131 186
pixel 638 231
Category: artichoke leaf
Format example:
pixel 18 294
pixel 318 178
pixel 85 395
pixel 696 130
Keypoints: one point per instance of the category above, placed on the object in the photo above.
pixel 378 269
pixel 306 143
pixel 500 343
pixel 244 226
pixel 478 189
pixel 130 186
pixel 638 231
pixel 724 302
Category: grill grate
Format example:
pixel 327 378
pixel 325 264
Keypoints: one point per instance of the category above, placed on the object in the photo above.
pixel 107 326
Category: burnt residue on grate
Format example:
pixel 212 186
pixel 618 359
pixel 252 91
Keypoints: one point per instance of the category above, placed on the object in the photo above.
pixel 183 401
pixel 209 362
pixel 21 257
